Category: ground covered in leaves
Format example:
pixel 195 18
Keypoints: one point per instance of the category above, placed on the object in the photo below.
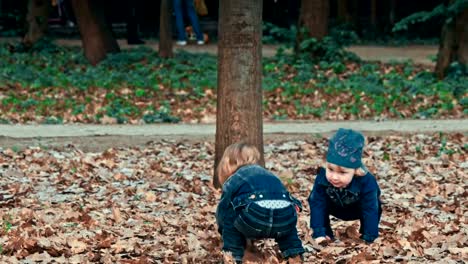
pixel 155 204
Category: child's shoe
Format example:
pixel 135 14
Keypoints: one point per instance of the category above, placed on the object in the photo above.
pixel 181 42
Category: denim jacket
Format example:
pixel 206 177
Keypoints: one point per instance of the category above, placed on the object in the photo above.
pixel 362 191
pixel 248 184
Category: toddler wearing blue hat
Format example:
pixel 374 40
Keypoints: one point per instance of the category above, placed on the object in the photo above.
pixel 345 189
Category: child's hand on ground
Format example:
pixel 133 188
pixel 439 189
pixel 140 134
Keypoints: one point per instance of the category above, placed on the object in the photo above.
pixel 319 240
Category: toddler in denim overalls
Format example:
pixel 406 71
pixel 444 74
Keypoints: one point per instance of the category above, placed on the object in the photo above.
pixel 254 205
pixel 345 189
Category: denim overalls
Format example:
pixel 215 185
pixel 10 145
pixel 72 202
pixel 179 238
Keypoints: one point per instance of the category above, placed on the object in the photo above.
pixel 360 200
pixel 239 216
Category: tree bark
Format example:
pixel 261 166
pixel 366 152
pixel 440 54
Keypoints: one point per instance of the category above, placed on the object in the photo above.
pixel 239 104
pixel 314 17
pixel 373 17
pixel 461 30
pixel 355 13
pixel 37 21
pixel 165 30
pixel 96 36
pixel 342 12
pixel 453 44
pixel 391 13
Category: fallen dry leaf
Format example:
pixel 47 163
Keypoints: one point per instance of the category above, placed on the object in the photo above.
pixel 76 246
pixel 156 203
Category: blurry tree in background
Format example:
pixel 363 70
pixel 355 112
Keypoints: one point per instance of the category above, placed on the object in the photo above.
pixel 36 21
pixel 371 20
pixel 454 40
pixel 313 18
pixel 239 100
pixel 96 37
pixel 373 14
pixel 343 15
pixel 453 45
pixel 165 30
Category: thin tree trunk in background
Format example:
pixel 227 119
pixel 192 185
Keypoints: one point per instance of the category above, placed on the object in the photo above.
pixel 96 37
pixel 37 20
pixel 453 44
pixel 342 12
pixel 355 20
pixel 444 54
pixel 165 30
pixel 373 17
pixel 314 17
pixel 391 14
pixel 239 104
pixel 461 30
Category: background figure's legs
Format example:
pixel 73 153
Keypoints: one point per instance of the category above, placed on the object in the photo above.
pixel 192 14
pixel 67 13
pixel 179 17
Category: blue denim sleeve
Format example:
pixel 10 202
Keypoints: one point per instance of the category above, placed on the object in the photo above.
pixel 318 205
pixel 370 210
pixel 224 206
pixel 221 211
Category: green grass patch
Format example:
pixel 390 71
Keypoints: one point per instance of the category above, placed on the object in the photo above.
pixel 58 85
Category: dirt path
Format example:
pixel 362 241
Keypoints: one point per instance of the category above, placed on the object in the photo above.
pixel 418 53
pixel 101 137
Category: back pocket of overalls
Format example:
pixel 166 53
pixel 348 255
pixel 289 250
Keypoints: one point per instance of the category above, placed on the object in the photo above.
pixel 284 225
pixel 247 230
pixel 286 230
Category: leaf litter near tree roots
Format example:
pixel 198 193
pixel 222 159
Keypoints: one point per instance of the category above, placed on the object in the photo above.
pixel 156 204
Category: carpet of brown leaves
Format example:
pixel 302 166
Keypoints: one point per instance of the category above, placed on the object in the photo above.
pixel 155 204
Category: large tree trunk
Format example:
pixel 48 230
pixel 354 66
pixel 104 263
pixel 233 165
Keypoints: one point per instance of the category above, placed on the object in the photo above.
pixel 313 17
pixel 165 30
pixel 239 104
pixel 96 37
pixel 37 21
pixel 453 44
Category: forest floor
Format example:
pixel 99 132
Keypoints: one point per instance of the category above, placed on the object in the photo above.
pixel 155 203
pixel 105 196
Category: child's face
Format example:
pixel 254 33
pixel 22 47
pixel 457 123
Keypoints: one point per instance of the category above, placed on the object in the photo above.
pixel 339 176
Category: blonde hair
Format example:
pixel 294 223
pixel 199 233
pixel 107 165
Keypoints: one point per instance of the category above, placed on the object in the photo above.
pixel 235 156
pixel 360 172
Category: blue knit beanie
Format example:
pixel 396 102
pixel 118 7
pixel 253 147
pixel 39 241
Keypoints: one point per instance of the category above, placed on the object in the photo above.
pixel 345 149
